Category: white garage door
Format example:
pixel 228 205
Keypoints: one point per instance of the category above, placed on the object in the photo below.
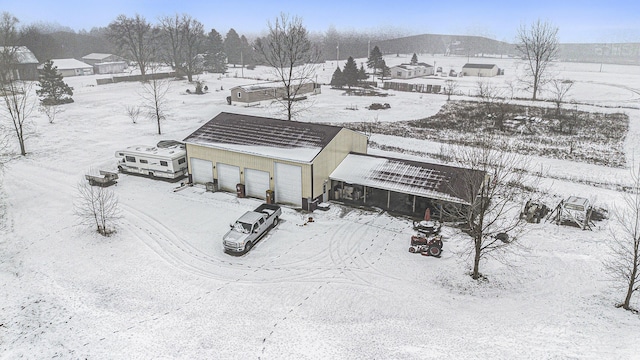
pixel 288 184
pixel 256 183
pixel 201 171
pixel 228 176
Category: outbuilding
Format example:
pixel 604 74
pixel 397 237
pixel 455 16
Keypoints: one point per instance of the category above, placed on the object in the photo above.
pixel 72 67
pixel 481 70
pixel 24 65
pixel 105 63
pixel 403 186
pixel 256 156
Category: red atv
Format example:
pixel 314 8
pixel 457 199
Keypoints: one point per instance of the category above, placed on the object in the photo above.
pixel 427 246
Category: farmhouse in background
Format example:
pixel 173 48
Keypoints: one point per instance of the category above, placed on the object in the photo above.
pixel 303 164
pixel 482 70
pixel 105 63
pixel 25 66
pixel 409 71
pixel 270 91
pixel 71 67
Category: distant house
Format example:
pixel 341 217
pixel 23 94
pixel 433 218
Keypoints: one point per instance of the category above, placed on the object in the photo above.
pixel 409 71
pixel 482 70
pixel 105 63
pixel 25 64
pixel 269 91
pixel 71 67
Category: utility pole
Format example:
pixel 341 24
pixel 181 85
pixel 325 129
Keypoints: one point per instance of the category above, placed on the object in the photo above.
pixel 242 62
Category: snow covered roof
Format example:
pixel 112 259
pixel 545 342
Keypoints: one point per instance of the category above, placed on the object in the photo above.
pixel 412 66
pixel 173 152
pixel 69 64
pixel 22 54
pixel 265 85
pixel 96 56
pixel 478 66
pixel 281 139
pixel 434 181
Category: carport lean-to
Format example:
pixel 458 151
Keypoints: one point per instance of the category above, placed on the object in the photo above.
pixel 400 185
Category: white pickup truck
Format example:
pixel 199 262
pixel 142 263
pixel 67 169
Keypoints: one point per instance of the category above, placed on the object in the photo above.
pixel 250 228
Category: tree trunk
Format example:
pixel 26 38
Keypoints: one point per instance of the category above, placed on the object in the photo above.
pixel 632 283
pixel 476 259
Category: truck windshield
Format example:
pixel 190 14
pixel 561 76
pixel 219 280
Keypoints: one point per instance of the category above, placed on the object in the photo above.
pixel 242 227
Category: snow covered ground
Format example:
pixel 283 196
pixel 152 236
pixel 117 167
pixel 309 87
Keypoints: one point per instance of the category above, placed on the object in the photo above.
pixel 341 287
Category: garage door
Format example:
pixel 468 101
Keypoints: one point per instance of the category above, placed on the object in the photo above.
pixel 201 171
pixel 288 184
pixel 256 183
pixel 228 176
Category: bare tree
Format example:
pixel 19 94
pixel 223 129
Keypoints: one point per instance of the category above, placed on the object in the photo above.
pixel 133 112
pixel 559 90
pixel 154 94
pixel 136 38
pixel 50 111
pixel 624 263
pixel 495 102
pixel 8 44
pixel 97 205
pixel 193 44
pixel 18 104
pixel 538 45
pixel 491 217
pixel 450 87
pixel 289 52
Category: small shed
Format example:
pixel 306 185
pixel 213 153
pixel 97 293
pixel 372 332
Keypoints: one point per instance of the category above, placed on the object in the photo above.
pixel 409 71
pixel 96 58
pixel 71 67
pixel 481 70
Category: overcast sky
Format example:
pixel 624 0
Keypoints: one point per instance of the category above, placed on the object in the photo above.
pixel 578 21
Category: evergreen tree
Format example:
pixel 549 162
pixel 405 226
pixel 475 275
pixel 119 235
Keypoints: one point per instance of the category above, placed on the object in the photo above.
pixel 375 58
pixel 337 80
pixel 362 74
pixel 53 90
pixel 384 70
pixel 414 59
pixel 215 59
pixel 350 73
pixel 232 47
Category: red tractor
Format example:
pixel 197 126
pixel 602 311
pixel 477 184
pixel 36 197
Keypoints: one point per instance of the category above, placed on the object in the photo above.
pixel 426 245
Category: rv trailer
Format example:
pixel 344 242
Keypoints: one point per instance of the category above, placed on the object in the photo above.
pixel 167 162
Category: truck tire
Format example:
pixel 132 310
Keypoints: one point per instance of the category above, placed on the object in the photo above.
pixel 248 246
pixel 275 221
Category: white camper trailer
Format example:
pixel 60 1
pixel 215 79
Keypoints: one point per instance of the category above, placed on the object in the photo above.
pixel 167 162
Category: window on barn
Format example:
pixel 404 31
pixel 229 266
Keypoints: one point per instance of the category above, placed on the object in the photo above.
pixel 130 159
pixel 239 94
pixel 399 73
pixel 163 163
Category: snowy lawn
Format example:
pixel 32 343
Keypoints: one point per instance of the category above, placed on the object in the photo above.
pixel 341 287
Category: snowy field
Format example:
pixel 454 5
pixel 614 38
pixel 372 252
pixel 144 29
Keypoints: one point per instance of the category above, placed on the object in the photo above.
pixel 341 287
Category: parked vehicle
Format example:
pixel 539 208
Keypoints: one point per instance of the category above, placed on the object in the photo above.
pixel 251 227
pixel 426 245
pixel 105 179
pixel 166 162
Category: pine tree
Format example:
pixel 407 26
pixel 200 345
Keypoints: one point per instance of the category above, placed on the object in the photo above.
pixel 337 80
pixel 53 90
pixel 384 70
pixel 233 47
pixel 362 74
pixel 215 59
pixel 375 58
pixel 350 73
pixel 414 59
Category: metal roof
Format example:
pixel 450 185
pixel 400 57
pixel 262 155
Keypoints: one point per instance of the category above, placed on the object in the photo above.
pixel 69 64
pixel 479 66
pixel 434 181
pixel 292 140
